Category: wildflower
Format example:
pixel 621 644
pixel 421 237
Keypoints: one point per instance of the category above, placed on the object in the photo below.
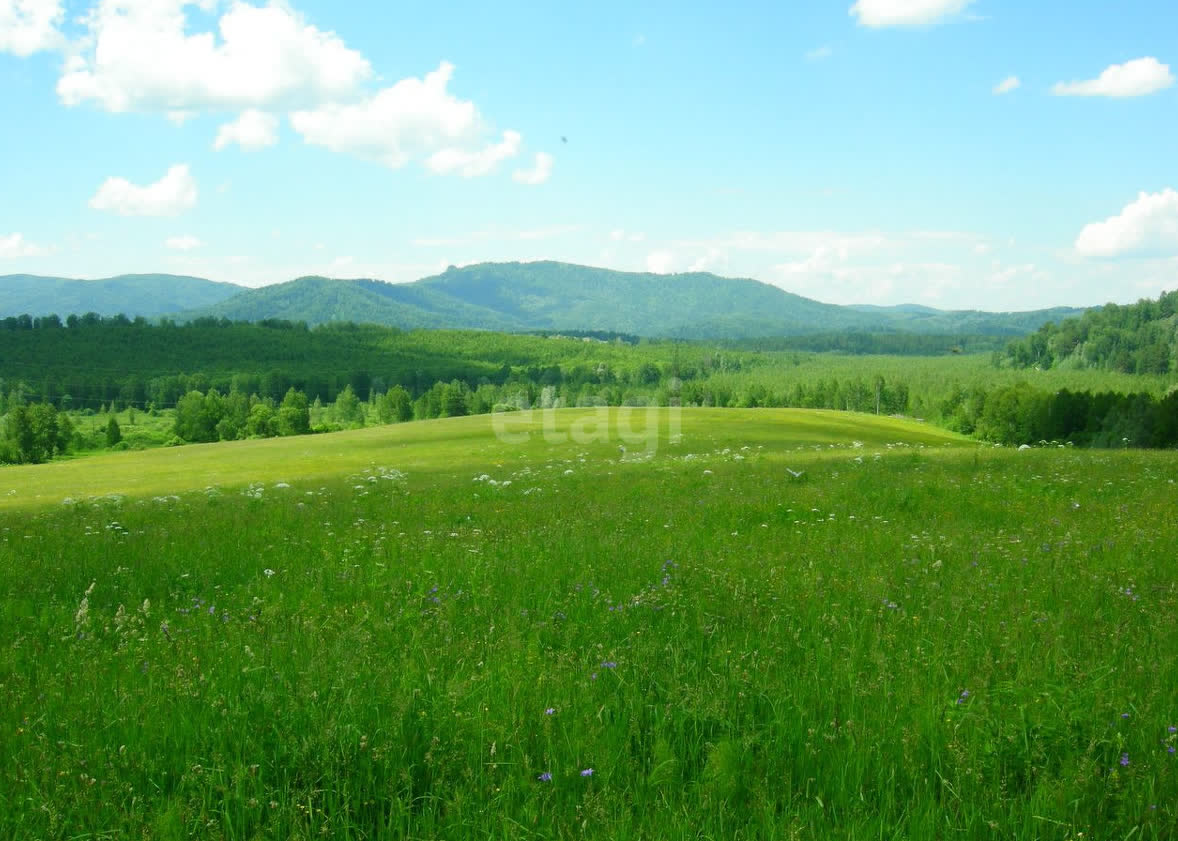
pixel 609 664
pixel 1170 749
pixel 1124 760
pixel 964 695
pixel 1172 729
pixel 588 772
pixel 550 711
pixel 546 777
pixel 269 573
pixel 1124 715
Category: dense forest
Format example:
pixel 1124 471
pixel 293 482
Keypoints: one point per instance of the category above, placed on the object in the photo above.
pixel 1140 338
pixel 218 380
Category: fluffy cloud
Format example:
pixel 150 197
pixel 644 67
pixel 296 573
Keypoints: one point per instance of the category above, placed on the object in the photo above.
pixel 1007 85
pixel 415 118
pixel 29 26
pixel 183 243
pixel 660 262
pixel 15 245
pixel 1139 77
pixel 142 58
pixel 1145 227
pixel 539 173
pixel 252 130
pixel 171 195
pixel 471 164
pixel 905 12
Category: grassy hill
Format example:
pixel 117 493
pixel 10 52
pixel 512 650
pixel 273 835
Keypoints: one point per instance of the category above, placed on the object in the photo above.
pixel 562 296
pixel 148 295
pixel 453 444
pixel 431 632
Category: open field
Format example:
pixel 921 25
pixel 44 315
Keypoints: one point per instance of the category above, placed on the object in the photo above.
pixel 434 632
pixel 452 444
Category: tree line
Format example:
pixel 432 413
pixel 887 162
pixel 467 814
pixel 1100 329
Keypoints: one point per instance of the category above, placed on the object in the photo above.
pixel 1140 338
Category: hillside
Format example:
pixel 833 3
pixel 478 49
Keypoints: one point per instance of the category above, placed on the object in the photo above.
pixel 562 296
pixel 148 295
pixel 1140 338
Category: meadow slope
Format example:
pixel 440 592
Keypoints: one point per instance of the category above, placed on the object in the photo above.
pixel 787 625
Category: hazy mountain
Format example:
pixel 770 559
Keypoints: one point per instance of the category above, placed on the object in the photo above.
pixel 134 294
pixel 563 296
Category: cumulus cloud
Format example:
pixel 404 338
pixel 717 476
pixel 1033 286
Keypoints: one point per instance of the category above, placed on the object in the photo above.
pixel 713 260
pixel 539 173
pixel 905 12
pixel 415 118
pixel 1146 227
pixel 183 243
pixel 170 196
pixel 15 245
pixel 29 26
pixel 1010 83
pixel 1139 77
pixel 471 164
pixel 252 130
pixel 660 262
pixel 141 57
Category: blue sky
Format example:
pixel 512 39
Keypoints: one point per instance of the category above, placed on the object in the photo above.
pixel 958 153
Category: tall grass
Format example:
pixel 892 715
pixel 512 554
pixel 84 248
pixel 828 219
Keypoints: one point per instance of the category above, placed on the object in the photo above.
pixel 898 643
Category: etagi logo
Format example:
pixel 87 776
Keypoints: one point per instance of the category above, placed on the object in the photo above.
pixel 633 428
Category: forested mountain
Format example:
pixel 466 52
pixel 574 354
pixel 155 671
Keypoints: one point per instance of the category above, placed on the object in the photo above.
pixel 563 296
pixel 1140 338
pixel 147 295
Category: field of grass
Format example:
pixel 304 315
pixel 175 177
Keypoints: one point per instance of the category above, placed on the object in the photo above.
pixel 427 631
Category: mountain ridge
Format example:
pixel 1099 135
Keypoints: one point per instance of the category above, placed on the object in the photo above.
pixel 549 295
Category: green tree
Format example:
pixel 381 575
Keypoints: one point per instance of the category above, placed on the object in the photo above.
pixel 34 431
pixel 347 407
pixel 113 433
pixel 454 400
pixel 294 415
pixel 261 423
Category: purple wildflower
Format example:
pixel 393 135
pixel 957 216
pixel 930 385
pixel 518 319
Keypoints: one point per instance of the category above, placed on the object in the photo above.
pixel 550 711
pixel 964 695
pixel 545 777
pixel 588 772
pixel 1124 760
pixel 1124 715
pixel 1170 749
pixel 1172 729
pixel 609 664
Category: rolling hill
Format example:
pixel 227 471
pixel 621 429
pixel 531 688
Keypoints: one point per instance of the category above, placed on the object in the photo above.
pixel 148 295
pixel 511 297
pixel 563 296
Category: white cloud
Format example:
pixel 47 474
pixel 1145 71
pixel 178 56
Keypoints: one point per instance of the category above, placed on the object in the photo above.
pixel 415 118
pixel 140 57
pixel 660 262
pixel 1139 77
pixel 714 260
pixel 905 12
pixel 15 245
pixel 819 53
pixel 1010 83
pixel 186 242
pixel 171 195
pixel 252 130
pixel 1146 227
pixel 537 174
pixel 29 26
pixel 471 164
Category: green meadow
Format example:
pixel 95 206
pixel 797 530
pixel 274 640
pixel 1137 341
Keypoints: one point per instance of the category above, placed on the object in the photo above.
pixel 710 624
